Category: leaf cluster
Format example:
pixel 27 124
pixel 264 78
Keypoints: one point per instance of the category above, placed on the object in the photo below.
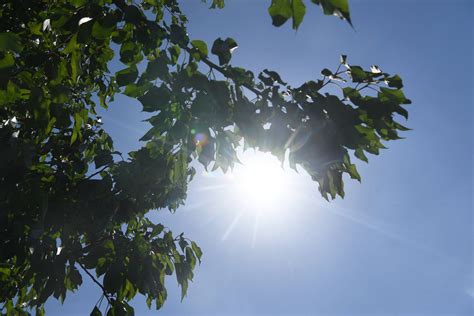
pixel 71 206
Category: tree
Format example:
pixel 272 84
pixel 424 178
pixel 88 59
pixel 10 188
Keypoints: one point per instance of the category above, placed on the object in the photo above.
pixel 69 202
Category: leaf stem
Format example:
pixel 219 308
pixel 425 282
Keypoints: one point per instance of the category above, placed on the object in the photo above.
pixel 95 281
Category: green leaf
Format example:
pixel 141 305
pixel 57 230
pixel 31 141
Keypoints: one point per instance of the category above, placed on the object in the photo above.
pixel 357 74
pixel 96 312
pixel 398 109
pixel 149 300
pixel 338 8
pixel 112 280
pixel 241 76
pixel 157 229
pixel 39 311
pixel 75 65
pixel 155 99
pixel 299 10
pixel 401 127
pixel 130 53
pixel 395 95
pixel 395 82
pixel 184 288
pixel 35 28
pixel 207 153
pixel 201 47
pixel 71 45
pixel 190 257
pixel 10 42
pixel 178 35
pixel 84 33
pixel 157 68
pixel 126 76
pixel 102 159
pixel 174 51
pixel 224 49
pixel 6 60
pixel 351 93
pixel 76 131
pixel 75 277
pixel 133 14
pixel 103 28
pixel 219 4
pixel 352 170
pixel 359 153
pixel 326 72
pixel 182 243
pixel 134 91
pixel 280 11
pixel 274 76
pixel 197 250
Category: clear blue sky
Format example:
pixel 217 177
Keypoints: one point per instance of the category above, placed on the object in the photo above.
pixel 400 243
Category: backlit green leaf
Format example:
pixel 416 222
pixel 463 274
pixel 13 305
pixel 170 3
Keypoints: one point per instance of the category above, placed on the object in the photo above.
pixel 395 95
pixel 280 11
pixel 338 8
pixel 10 42
pixel 299 10
pixel 201 47
pixel 6 60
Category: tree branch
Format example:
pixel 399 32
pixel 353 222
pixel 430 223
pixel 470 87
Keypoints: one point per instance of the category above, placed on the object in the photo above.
pixel 122 5
pixel 225 73
pixel 96 282
pixel 97 172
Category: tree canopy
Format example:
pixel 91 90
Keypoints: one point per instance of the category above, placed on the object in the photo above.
pixel 70 202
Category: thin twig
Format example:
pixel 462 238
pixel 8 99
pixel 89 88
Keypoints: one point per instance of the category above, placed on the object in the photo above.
pixel 95 281
pixel 224 72
pixel 362 88
pixel 97 172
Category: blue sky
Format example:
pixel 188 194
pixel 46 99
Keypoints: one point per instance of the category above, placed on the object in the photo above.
pixel 401 242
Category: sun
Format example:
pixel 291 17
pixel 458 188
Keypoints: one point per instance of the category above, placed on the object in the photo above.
pixel 258 196
pixel 260 181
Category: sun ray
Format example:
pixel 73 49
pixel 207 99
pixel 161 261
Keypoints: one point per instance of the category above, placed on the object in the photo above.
pixel 231 226
pixel 255 229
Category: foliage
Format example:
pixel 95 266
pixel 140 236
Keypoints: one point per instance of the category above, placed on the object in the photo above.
pixel 70 202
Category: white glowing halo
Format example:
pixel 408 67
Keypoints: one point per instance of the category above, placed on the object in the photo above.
pixel 260 182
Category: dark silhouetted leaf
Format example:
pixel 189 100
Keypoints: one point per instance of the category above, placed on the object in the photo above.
pixel 155 99
pixel 127 75
pixel 224 49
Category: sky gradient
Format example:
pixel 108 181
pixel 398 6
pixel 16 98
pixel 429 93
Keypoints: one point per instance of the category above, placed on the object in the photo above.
pixel 401 242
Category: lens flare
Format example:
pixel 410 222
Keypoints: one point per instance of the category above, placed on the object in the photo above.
pixel 200 139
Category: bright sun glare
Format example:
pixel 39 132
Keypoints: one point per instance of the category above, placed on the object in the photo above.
pixel 260 194
pixel 261 181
